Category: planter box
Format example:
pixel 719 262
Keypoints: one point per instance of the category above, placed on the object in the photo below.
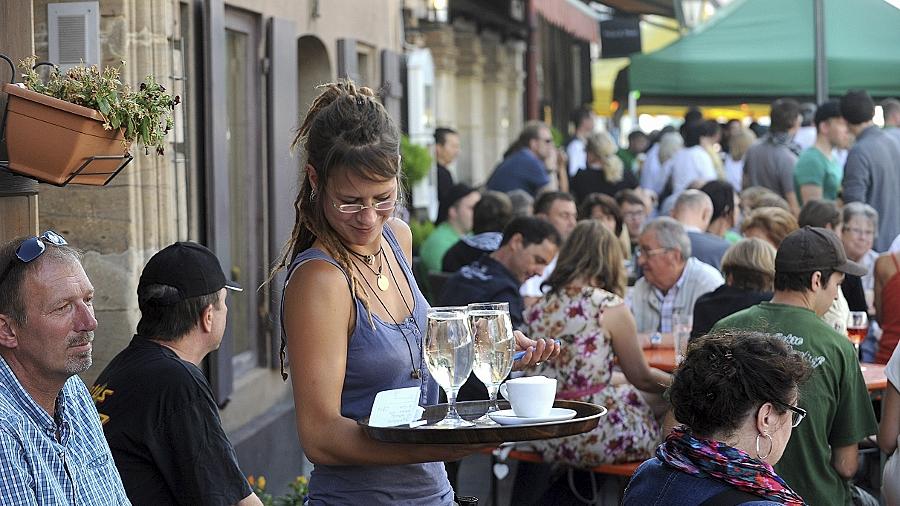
pixel 50 140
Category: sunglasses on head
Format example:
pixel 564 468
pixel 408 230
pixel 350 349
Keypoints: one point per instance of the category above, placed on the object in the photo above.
pixel 32 248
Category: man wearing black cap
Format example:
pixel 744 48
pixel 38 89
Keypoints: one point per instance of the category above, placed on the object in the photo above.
pixel 157 408
pixel 821 456
pixel 460 215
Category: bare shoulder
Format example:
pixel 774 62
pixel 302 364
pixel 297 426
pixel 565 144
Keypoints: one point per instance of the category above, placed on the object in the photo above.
pixel 884 264
pixel 317 278
pixel 404 235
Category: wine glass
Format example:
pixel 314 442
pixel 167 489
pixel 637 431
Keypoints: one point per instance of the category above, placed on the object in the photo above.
pixel 857 328
pixel 494 346
pixel 448 353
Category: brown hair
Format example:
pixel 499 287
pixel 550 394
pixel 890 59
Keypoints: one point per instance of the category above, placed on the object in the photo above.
pixel 592 252
pixel 775 221
pixel 345 129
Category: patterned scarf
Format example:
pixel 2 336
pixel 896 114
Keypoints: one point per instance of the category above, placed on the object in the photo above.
pixel 708 458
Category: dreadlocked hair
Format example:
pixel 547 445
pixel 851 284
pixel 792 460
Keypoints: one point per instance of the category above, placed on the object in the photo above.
pixel 345 129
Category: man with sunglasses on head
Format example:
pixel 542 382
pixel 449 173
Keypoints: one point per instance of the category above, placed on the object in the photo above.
pixel 52 449
pixel 524 165
pixel 157 408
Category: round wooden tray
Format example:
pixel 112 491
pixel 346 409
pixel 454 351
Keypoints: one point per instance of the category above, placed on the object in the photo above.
pixel 587 416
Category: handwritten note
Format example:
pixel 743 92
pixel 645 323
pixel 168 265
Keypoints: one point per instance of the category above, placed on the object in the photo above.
pixel 396 407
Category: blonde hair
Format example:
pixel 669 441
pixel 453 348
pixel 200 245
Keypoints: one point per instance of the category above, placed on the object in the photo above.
pixel 751 264
pixel 740 142
pixel 601 146
pixel 590 252
pixel 774 221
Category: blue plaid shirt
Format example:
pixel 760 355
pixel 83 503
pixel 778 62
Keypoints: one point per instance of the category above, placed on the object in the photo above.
pixel 45 462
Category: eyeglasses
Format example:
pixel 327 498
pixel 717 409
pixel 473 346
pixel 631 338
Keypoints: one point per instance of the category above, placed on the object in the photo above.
pixel 797 414
pixel 860 232
pixel 633 215
pixel 547 141
pixel 644 252
pixel 32 248
pixel 384 205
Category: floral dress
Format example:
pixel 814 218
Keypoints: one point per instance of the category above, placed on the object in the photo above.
pixel 628 432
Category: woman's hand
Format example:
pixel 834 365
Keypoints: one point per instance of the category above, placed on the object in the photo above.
pixel 536 351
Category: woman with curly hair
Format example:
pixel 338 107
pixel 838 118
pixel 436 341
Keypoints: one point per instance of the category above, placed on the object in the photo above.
pixel 736 396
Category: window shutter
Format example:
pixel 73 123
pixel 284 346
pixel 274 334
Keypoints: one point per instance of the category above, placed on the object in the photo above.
pixel 347 60
pixel 392 83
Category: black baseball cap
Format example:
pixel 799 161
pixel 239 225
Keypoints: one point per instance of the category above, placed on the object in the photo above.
pixel 189 267
pixel 814 249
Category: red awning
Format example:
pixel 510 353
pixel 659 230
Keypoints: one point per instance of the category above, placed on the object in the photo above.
pixel 572 16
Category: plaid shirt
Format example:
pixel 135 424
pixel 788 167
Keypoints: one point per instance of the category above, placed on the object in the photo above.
pixel 667 306
pixel 43 461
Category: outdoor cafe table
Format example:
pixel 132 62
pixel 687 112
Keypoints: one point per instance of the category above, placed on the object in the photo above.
pixel 663 358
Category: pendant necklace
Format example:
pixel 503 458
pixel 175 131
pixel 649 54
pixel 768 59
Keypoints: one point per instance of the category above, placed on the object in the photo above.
pixel 416 372
pixel 369 260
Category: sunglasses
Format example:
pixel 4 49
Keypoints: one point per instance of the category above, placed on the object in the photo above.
pixel 32 248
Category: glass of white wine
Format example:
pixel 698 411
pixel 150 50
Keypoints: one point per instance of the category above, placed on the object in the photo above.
pixel 494 347
pixel 449 355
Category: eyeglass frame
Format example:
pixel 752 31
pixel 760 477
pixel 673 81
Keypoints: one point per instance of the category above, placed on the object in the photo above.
pixel 795 410
pixel 35 241
pixel 858 231
pixel 362 207
pixel 641 252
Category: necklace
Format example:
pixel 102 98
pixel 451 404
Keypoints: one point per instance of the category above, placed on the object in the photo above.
pixel 416 372
pixel 380 279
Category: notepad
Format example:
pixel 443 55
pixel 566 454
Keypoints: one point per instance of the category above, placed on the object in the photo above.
pixel 396 407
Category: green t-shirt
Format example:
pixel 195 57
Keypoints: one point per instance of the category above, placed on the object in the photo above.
pixel 627 158
pixel 437 243
pixel 813 168
pixel 839 412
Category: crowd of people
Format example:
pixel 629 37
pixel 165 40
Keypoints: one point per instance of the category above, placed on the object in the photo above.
pixel 745 235
pixel 600 251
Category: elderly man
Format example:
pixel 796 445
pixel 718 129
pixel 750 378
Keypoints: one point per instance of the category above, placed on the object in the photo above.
pixel 694 210
pixel 821 456
pixel 157 408
pixel 52 449
pixel 672 280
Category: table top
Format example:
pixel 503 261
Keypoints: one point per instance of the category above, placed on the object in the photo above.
pixel 664 359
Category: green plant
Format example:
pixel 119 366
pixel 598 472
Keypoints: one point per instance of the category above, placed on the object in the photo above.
pixel 415 161
pixel 144 115
pixel 420 231
pixel 299 489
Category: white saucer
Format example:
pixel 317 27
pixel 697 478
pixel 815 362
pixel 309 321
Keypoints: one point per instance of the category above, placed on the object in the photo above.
pixel 508 417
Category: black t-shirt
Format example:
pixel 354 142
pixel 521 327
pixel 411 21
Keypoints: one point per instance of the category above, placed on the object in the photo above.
pixel 444 185
pixel 163 428
pixel 721 302
pixel 589 181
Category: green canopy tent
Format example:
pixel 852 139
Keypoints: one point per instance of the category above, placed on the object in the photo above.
pixel 758 50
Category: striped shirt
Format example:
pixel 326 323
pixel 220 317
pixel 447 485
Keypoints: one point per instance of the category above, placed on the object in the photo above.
pixel 54 462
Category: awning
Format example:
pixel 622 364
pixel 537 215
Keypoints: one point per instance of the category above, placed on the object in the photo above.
pixel 572 16
pixel 660 7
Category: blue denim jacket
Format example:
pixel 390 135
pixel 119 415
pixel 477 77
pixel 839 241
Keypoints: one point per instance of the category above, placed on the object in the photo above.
pixel 657 484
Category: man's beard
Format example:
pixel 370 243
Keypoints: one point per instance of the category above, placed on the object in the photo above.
pixel 83 361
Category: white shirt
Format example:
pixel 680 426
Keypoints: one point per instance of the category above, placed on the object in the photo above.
pixel 689 165
pixel 532 287
pixel 734 172
pixel 577 152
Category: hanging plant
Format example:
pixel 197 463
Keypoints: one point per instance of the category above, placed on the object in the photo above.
pixel 415 161
pixel 144 115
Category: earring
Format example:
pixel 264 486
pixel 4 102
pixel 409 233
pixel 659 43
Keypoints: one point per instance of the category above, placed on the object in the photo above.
pixel 771 446
pixel 312 195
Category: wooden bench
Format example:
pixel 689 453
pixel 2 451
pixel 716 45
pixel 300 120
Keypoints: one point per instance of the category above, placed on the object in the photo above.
pixel 622 470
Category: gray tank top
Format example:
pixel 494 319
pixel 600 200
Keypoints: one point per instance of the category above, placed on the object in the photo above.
pixel 378 359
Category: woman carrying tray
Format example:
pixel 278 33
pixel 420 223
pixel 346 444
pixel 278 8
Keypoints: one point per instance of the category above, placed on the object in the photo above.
pixel 353 316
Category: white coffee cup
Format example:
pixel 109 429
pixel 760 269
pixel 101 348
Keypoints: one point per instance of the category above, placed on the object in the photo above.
pixel 530 396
